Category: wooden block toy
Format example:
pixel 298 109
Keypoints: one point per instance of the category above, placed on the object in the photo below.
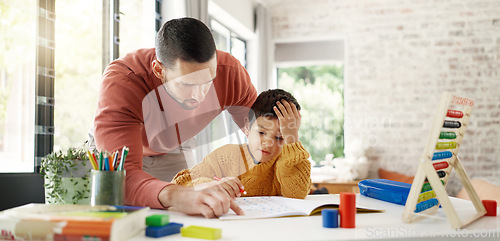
pixel 491 207
pixel 330 218
pixel 157 220
pixel 201 232
pixel 156 232
pixel 347 210
pixel 428 191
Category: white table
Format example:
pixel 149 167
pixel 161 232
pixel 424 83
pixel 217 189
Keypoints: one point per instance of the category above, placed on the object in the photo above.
pixel 386 225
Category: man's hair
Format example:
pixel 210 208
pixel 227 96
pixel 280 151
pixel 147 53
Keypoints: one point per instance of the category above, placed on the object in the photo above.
pixel 263 105
pixel 187 39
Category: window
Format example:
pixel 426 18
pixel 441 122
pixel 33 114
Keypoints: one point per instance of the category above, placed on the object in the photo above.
pixel 319 89
pixel 137 25
pixel 238 50
pixel 222 36
pixel 71 84
pixel 227 41
pixel 17 89
pixel 78 70
pixel 222 130
pixel 313 72
pixel 78 79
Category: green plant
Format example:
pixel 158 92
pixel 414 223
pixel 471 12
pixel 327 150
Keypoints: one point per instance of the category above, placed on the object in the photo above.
pixel 322 128
pixel 66 176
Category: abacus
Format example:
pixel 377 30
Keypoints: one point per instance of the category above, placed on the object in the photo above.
pixel 438 160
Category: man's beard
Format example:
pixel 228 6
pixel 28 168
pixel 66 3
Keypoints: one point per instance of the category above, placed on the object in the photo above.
pixel 184 103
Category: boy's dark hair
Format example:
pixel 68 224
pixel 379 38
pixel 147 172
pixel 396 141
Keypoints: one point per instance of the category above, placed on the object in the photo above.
pixel 263 105
pixel 187 39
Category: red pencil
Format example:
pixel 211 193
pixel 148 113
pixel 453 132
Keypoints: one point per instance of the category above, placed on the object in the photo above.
pixel 241 190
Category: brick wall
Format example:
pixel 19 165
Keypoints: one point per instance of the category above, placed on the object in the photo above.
pixel 401 55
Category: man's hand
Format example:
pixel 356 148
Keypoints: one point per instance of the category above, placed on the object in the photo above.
pixel 210 202
pixel 232 185
pixel 289 120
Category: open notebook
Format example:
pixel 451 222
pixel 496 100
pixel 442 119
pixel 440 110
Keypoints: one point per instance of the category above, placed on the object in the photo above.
pixel 274 206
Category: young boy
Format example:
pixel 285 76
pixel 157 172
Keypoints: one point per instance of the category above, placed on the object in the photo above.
pixel 272 163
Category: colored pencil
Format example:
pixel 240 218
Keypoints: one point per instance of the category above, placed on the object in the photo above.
pixel 92 161
pixel 124 156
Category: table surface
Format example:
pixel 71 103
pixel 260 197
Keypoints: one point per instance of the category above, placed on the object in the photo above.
pixel 384 225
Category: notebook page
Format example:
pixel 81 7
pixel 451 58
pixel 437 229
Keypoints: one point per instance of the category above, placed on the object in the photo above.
pixel 262 207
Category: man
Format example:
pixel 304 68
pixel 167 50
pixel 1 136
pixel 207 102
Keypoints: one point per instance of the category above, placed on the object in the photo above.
pixel 155 100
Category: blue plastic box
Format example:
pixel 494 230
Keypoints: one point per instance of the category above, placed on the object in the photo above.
pixel 385 190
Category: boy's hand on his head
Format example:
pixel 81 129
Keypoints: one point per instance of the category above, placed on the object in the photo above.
pixel 289 120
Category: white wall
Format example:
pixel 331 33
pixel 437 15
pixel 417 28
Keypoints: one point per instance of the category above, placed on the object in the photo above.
pixel 400 56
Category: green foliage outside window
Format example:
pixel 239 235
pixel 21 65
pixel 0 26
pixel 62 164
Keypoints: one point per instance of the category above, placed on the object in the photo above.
pixel 320 92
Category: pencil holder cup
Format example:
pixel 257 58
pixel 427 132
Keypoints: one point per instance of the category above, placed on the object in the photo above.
pixel 107 187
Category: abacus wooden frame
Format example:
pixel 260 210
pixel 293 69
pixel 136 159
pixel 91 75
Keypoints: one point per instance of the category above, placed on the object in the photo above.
pixel 426 169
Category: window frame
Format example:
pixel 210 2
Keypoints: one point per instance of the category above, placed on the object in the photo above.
pixel 23 188
pixel 231 35
pixel 306 52
pixel 44 81
pixel 27 187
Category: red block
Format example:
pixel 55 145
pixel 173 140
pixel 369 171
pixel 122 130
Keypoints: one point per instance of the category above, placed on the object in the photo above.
pixel 347 210
pixel 491 207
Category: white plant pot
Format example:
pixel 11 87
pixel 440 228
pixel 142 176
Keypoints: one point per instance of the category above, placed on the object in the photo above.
pixel 71 183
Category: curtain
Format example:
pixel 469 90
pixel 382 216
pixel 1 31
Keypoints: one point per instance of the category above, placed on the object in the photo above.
pixel 197 9
pixel 265 68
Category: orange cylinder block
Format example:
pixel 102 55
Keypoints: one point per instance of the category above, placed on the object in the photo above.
pixel 347 210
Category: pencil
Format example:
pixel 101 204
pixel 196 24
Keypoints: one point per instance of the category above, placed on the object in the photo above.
pixel 122 160
pixel 106 161
pixel 115 160
pixel 92 162
pixel 95 159
pixel 101 164
pixel 110 165
pixel 241 190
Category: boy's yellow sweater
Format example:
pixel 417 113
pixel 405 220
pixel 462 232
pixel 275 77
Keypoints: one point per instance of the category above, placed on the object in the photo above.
pixel 288 174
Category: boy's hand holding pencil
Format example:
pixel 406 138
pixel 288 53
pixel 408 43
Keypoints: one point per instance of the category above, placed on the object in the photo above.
pixel 232 185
